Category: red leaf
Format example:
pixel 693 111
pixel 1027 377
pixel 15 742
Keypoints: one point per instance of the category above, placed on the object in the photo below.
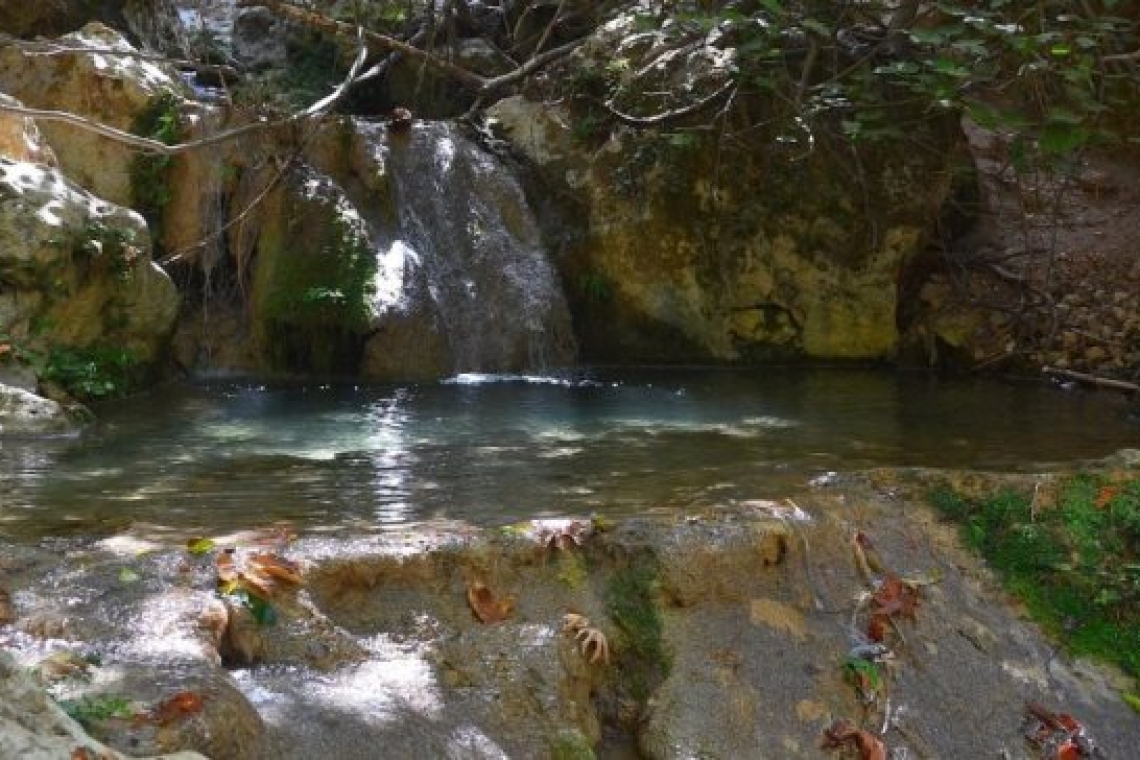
pixel 1105 495
pixel 179 706
pixel 894 598
pixel 877 628
pixel 276 566
pixel 843 732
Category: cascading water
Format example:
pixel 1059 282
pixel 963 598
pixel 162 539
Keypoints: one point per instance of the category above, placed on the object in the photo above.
pixel 465 246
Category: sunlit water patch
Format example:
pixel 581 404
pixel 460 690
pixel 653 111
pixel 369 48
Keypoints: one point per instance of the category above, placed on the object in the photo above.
pixel 491 449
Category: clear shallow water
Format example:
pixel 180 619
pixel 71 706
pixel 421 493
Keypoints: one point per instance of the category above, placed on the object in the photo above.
pixel 491 450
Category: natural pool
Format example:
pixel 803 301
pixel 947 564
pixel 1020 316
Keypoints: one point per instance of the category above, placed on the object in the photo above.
pixel 216 456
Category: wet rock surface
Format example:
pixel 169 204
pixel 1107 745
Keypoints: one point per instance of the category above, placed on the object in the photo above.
pixel 25 413
pixel 725 634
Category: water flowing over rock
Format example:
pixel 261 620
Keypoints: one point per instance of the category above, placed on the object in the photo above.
pixel 464 218
pixel 34 727
pixel 727 634
pixel 395 256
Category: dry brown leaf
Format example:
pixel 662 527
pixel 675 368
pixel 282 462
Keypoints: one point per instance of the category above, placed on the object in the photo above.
pixel 179 706
pixel 894 598
pixel 258 583
pixel 844 732
pixel 277 567
pixel 484 604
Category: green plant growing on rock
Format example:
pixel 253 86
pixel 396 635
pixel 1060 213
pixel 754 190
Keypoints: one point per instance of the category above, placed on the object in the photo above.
pixel 316 303
pixel 91 711
pixel 571 744
pixel 1075 564
pixel 110 246
pixel 91 373
pixel 149 181
pixel 631 602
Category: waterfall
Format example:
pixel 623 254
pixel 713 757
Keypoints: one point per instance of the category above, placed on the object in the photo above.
pixel 460 242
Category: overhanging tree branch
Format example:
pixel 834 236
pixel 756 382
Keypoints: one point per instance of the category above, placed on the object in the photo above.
pixel 480 85
pixel 149 145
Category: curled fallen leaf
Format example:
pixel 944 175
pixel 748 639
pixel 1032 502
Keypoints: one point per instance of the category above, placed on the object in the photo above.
pixel 1059 736
pixel 592 643
pixel 486 607
pixel 894 598
pixel 276 566
pixel 845 733
pixel 179 706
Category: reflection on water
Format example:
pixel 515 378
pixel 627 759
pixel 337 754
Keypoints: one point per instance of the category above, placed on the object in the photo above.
pixel 492 449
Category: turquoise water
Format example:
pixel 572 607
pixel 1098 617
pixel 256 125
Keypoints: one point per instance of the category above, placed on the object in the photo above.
pixel 495 449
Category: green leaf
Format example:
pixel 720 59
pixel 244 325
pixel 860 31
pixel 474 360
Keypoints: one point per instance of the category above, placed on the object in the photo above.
pixel 199 546
pixel 1059 138
pixel 127 575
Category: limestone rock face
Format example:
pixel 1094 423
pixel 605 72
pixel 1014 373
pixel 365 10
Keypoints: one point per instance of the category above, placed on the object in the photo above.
pixel 24 413
pixel 678 246
pixel 110 89
pixel 21 139
pixel 259 39
pixel 76 269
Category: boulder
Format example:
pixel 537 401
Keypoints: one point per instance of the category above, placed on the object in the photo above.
pixel 77 269
pixel 259 39
pixel 25 413
pixel 112 88
pixel 677 245
pixel 21 139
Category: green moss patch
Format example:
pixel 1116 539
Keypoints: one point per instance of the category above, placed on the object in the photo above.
pixel 631 602
pixel 1075 564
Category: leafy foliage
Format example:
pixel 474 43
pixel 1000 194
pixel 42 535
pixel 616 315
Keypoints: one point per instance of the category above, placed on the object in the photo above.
pixel 95 372
pixel 1076 564
pixel 1036 71
pixel 149 185
pixel 92 710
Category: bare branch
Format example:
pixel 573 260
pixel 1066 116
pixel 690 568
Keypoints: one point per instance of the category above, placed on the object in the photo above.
pixel 480 85
pixel 42 48
pixel 149 145
pixel 1103 382
pixel 141 143
pixel 667 116
pixel 324 23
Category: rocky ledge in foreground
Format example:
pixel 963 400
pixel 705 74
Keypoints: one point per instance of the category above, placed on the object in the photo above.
pixel 744 632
